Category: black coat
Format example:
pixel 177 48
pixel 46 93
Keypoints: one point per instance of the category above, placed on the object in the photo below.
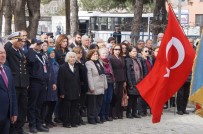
pixel 83 76
pixel 84 53
pixel 118 66
pixel 144 65
pixel 68 82
pixel 60 56
pixel 117 36
pixel 130 73
pixel 18 64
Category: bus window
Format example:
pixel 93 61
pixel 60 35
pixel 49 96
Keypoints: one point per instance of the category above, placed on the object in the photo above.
pixel 103 23
pixel 128 23
pixel 94 23
pixel 144 24
pixel 110 24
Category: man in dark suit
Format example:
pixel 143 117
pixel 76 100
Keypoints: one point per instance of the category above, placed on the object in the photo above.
pixel 8 112
pixel 16 60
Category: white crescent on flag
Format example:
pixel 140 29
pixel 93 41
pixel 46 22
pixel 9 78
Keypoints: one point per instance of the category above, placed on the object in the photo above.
pixel 181 53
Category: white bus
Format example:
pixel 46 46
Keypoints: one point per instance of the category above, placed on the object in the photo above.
pixel 103 24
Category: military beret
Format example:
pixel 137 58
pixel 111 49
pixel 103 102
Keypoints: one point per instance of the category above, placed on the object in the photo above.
pixel 15 35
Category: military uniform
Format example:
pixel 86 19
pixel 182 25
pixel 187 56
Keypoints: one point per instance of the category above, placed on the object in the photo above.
pixel 16 60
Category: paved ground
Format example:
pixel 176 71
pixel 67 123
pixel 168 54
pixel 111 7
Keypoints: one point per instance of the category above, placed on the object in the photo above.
pixel 171 123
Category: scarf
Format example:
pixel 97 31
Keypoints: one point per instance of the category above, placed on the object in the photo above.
pixel 99 67
pixel 107 67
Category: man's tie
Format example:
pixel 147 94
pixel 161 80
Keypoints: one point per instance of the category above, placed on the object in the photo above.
pixel 3 74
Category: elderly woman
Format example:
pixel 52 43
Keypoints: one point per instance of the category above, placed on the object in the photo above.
pixel 97 84
pixel 104 114
pixel 69 90
pixel 134 76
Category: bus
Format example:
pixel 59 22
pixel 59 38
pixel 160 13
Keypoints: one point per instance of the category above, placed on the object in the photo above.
pixel 102 25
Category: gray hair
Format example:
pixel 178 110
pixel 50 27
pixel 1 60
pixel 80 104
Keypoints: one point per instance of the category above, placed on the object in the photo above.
pixel 69 54
pixel 84 37
pixel 103 49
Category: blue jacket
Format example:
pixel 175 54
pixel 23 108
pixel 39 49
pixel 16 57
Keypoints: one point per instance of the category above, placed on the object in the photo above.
pixel 36 68
pixel 53 74
pixel 8 100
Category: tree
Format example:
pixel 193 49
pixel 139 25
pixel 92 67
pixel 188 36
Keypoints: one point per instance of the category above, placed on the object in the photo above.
pixel 19 14
pixel 159 22
pixel 7 12
pixel 1 15
pixel 34 16
pixel 137 20
pixel 104 5
pixel 74 16
pixel 67 10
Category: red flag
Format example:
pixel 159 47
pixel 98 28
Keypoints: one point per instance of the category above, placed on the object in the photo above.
pixel 172 67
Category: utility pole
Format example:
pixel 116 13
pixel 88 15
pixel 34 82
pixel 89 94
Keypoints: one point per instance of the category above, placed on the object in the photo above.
pixel 179 10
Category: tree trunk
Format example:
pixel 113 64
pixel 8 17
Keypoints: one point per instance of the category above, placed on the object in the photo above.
pixel 138 8
pixel 1 16
pixel 67 12
pixel 74 17
pixel 159 22
pixel 34 16
pixel 8 16
pixel 19 14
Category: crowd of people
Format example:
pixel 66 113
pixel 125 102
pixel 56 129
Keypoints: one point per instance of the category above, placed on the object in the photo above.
pixel 48 81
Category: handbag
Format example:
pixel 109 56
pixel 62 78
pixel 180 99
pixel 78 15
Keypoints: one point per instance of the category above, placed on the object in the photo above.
pixel 125 97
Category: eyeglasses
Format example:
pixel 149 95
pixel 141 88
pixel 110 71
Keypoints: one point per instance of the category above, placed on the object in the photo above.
pixel 117 49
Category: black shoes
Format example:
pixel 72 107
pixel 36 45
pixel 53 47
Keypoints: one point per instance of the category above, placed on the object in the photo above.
pixel 98 121
pixel 92 122
pixel 42 129
pixel 33 130
pixel 73 125
pixel 136 116
pixel 109 119
pixel 102 119
pixel 67 125
pixel 82 122
pixel 23 132
pixel 129 115
pixel 185 112
pixel 57 120
pixel 180 112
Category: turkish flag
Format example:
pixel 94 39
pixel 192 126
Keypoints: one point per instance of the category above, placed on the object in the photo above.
pixel 172 67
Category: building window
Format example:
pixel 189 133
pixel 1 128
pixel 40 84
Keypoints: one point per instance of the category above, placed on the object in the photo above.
pixel 199 19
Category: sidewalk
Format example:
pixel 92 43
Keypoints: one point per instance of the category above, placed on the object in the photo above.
pixel 171 123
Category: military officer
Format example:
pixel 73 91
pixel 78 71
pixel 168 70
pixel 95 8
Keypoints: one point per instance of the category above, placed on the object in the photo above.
pixel 37 89
pixel 16 60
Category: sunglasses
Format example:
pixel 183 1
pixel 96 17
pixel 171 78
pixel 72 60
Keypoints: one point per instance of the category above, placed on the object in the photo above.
pixel 117 49
pixel 146 51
